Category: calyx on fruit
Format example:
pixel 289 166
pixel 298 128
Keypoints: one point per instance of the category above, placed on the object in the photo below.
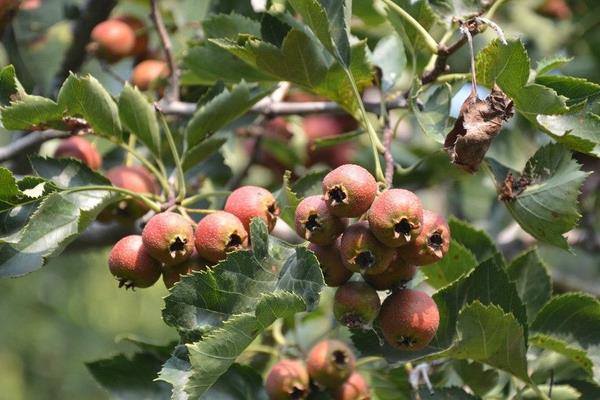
pixel 334 271
pixel 79 148
pixel 395 276
pixel 409 319
pixel 362 252
pixel 169 238
pixel 249 202
pixel 113 40
pixel 356 305
pixel 218 234
pixel 288 379
pixel 171 275
pixel 132 265
pixel 433 242
pixel 396 217
pixel 355 388
pixel 330 363
pixel 349 190
pixel 315 223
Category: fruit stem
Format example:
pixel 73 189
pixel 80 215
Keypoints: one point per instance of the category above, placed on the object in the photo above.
pixel 176 158
pixel 430 42
pixel 490 13
pixel 197 197
pixel 130 144
pixel 368 360
pixel 137 196
pixel 200 210
pixel 537 390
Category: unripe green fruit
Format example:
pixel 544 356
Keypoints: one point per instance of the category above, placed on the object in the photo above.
pixel 355 388
pixel 114 40
pixel 171 275
pixel 132 264
pixel 396 217
pixel 409 319
pixel 349 190
pixel 218 234
pixel 396 275
pixel 362 252
pixel 316 223
pixel 356 305
pixel 169 238
pixel 249 202
pixel 135 179
pixel 288 379
pixel 334 271
pixel 433 242
pixel 79 148
pixel 330 363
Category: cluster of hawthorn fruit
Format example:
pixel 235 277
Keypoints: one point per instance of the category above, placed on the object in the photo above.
pixel 330 367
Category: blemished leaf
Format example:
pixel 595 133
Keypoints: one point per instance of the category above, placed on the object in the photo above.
pixel 576 89
pixel 201 152
pixel 479 243
pixel 543 200
pixel 533 282
pixel 456 263
pixel 580 130
pixel 30 112
pixel 571 351
pixel 288 200
pixel 130 378
pixel 389 55
pixel 433 117
pixel 487 334
pixel 138 116
pixel 230 26
pixel 85 97
pixel 221 110
pixel 59 219
pixel 551 63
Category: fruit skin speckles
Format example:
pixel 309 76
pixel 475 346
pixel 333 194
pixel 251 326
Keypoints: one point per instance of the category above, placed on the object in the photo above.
pixel 316 223
pixel 218 234
pixel 169 238
pixel 396 217
pixel 409 319
pixel 132 264
pixel 362 252
pixel 433 242
pixel 330 363
pixel 396 275
pixel 356 305
pixel 288 379
pixel 349 190
pixel 249 202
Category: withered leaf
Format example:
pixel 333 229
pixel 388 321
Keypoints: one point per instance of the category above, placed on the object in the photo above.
pixel 478 123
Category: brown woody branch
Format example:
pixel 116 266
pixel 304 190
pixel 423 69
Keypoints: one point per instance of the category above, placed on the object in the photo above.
pixel 28 142
pixel 173 89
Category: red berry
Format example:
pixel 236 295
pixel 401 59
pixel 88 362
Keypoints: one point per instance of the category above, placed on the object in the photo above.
pixel 355 388
pixel 396 275
pixel 218 234
pixel 362 252
pixel 396 217
pixel 356 305
pixel 171 275
pixel 136 179
pixel 433 242
pixel 132 264
pixel 349 190
pixel 146 73
pixel 169 238
pixel 249 202
pixel 322 125
pixel 79 148
pixel 288 379
pixel 330 363
pixel 315 223
pixel 114 39
pixel 334 271
pixel 409 319
pixel 141 36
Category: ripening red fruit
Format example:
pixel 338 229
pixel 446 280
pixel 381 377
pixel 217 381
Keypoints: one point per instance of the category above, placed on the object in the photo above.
pixel 218 234
pixel 433 242
pixel 362 252
pixel 317 126
pixel 396 275
pixel 169 238
pixel 409 319
pixel 315 223
pixel 249 202
pixel 288 379
pixel 171 275
pixel 146 73
pixel 141 36
pixel 396 217
pixel 132 264
pixel 349 190
pixel 114 40
pixel 355 388
pixel 330 363
pixel 356 305
pixel 79 148
pixel 334 271
pixel 136 179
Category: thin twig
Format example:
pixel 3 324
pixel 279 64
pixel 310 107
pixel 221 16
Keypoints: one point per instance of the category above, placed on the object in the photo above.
pixel 173 89
pixel 388 134
pixel 28 142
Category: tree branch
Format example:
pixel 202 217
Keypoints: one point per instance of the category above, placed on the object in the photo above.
pixel 28 142
pixel 173 89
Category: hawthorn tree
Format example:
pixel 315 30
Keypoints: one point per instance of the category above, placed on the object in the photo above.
pixel 190 103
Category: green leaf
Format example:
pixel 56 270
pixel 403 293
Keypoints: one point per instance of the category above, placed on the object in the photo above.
pixel 489 335
pixel 138 116
pixel 580 131
pixel 573 352
pixel 531 276
pixel 390 383
pixel 421 11
pixel 329 141
pixel 559 392
pixel 445 393
pixel 537 99
pixel 288 200
pixel 479 243
pixel 449 9
pixel 457 262
pixel 433 118
pixel 551 63
pixel 221 110
pixel 547 208
pixel 230 26
pixel 85 97
pixel 478 378
pixel 10 87
pixel 30 112
pixel 576 89
pixel 201 152
pixel 389 55
pixel 310 183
